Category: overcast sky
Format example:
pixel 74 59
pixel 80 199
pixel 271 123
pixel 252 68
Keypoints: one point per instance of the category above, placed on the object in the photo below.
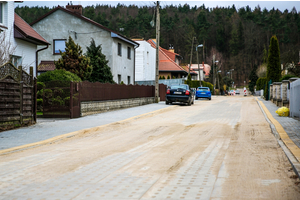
pixel 281 5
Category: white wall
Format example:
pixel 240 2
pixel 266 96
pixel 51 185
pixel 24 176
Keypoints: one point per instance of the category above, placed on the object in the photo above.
pixel 61 25
pixel 27 51
pixel 145 62
pixel 22 48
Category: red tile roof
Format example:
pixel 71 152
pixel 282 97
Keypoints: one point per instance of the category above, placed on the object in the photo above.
pixel 165 62
pixel 170 54
pixel 46 66
pixel 24 31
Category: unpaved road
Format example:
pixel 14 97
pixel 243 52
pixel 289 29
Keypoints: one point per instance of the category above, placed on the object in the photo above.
pixel 219 149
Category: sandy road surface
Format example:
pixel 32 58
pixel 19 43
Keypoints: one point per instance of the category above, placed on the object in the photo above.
pixel 219 149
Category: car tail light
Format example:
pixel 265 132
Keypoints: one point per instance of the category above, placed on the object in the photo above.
pixel 168 91
pixel 187 92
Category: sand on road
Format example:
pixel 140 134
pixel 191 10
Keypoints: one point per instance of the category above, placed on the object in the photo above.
pixel 219 149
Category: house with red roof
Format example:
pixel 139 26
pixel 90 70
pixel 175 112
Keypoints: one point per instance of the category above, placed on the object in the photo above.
pixel 168 63
pixel 19 40
pixel 57 25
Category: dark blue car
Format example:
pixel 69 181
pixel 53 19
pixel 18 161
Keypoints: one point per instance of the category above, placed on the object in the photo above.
pixel 203 92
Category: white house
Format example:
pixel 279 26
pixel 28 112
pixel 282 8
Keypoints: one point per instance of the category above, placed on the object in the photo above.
pixel 145 61
pixel 18 40
pixel 60 23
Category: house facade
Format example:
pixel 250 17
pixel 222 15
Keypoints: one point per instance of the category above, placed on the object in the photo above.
pixel 60 23
pixel 19 41
pixel 145 62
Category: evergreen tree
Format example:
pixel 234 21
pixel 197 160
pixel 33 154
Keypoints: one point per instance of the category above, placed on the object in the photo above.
pixel 73 61
pixel 273 67
pixel 101 71
pixel 253 78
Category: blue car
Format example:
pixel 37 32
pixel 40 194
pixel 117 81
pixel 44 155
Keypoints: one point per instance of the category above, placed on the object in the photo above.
pixel 203 92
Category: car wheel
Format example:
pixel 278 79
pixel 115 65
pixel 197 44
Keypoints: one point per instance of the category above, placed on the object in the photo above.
pixel 188 103
pixel 167 102
pixel 209 98
pixel 193 101
pixel 196 98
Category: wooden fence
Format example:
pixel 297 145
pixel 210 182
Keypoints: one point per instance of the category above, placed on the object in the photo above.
pixel 62 98
pixel 17 96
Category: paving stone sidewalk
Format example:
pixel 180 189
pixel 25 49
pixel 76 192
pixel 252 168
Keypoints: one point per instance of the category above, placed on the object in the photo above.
pixel 290 125
pixel 49 128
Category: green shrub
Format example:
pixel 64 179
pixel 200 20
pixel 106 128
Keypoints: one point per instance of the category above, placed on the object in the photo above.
pixel 67 101
pixel 58 75
pixel 260 83
pixel 168 77
pixel 287 77
pixel 58 101
pixel 40 86
pixel 39 104
pixel 48 93
pixel 195 84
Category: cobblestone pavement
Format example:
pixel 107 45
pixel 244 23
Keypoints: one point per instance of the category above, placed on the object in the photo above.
pixel 49 128
pixel 210 150
pixel 290 125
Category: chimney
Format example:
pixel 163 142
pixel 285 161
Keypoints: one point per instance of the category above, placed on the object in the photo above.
pixel 75 8
pixel 171 48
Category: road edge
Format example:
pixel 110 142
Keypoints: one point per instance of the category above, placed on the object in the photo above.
pixel 72 134
pixel 287 144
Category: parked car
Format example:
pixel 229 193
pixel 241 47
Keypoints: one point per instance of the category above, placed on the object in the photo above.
pixel 203 92
pixel 231 92
pixel 237 92
pixel 180 93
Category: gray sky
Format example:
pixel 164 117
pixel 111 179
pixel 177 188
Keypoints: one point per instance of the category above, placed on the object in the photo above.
pixel 281 5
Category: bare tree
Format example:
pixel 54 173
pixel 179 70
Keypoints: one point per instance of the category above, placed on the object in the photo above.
pixel 6 47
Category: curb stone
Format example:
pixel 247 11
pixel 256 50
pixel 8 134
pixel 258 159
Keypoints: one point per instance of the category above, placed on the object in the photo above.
pixel 294 162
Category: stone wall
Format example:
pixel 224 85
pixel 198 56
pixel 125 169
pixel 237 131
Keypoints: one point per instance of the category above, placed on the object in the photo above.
pixel 94 107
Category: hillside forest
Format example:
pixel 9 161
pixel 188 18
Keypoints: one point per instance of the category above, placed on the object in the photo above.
pixel 239 38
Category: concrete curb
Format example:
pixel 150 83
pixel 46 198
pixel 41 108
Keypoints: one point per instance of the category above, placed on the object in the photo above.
pixel 287 145
pixel 75 133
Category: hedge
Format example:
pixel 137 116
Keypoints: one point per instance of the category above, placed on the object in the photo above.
pixel 260 83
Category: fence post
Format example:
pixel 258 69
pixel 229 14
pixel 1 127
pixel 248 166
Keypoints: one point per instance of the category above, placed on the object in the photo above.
pixel 21 94
pixel 71 100
pixel 35 99
pixel 32 94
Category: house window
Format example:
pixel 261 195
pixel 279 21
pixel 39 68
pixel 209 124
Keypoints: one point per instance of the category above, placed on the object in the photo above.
pixel 119 49
pixel 16 60
pixel 59 45
pixel 1 13
pixel 128 52
pixel 128 80
pixel 119 78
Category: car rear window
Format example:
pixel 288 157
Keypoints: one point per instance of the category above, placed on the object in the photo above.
pixel 203 89
pixel 178 86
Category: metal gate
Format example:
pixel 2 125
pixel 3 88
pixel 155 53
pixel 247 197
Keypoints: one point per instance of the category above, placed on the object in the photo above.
pixel 61 99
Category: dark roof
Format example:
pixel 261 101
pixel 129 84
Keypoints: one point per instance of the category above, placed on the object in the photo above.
pixel 83 18
pixel 24 31
pixel 46 66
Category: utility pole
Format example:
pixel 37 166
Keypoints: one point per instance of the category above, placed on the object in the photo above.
pixel 157 53
pixel 191 55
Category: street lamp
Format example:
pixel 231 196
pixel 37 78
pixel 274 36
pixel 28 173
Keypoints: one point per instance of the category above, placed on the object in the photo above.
pixel 200 45
pixel 214 72
pixel 218 79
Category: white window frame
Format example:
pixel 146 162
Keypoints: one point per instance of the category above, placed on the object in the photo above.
pixel 54 46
